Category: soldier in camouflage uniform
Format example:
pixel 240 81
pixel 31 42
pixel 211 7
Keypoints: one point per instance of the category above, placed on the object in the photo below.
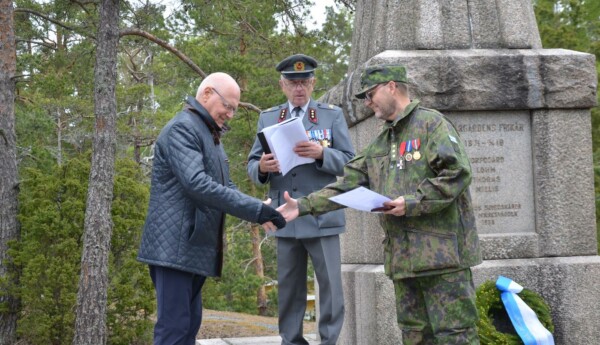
pixel 419 161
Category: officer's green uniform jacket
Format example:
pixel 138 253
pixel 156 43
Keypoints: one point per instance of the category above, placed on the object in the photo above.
pixel 438 234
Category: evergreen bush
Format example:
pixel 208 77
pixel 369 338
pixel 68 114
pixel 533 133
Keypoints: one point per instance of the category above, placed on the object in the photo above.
pixel 52 210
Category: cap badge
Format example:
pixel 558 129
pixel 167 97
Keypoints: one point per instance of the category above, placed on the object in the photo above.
pixel 299 66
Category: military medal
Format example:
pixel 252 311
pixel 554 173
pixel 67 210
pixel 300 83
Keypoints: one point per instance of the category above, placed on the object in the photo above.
pixel 401 155
pixel 417 154
pixel 326 142
pixel 408 155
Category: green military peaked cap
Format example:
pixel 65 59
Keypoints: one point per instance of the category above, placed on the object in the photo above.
pixel 298 66
pixel 377 74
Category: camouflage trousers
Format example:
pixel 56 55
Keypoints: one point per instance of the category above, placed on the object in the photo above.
pixel 437 310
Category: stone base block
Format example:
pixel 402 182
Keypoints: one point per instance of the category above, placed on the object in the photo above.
pixel 370 307
pixel 569 285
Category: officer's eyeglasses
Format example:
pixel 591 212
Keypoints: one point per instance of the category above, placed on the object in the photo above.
pixel 369 95
pixel 292 84
pixel 226 104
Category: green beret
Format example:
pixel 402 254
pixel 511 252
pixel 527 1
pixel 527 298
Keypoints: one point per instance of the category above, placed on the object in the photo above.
pixel 298 66
pixel 375 75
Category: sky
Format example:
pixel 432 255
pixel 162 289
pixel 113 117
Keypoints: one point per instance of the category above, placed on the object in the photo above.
pixel 318 11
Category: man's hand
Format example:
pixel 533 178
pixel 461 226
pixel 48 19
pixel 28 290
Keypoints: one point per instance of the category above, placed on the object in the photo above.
pixel 398 207
pixel 309 149
pixel 268 164
pixel 269 218
pixel 289 210
pixel 268 226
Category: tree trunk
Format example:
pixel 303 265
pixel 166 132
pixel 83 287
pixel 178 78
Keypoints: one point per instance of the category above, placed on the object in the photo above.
pixel 59 129
pixel 9 183
pixel 90 323
pixel 259 268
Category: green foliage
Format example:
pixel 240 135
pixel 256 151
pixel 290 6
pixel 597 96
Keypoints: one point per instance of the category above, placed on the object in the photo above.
pixel 51 217
pixel 575 24
pixel 489 304
pixel 52 209
pixel 36 136
pixel 235 290
pixel 131 293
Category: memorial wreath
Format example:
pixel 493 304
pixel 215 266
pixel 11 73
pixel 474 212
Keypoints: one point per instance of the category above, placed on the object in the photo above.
pixel 488 300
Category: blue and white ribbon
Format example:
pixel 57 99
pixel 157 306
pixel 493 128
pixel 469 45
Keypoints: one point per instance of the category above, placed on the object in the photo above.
pixel 523 318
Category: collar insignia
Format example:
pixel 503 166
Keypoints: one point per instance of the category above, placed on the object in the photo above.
pixel 312 115
pixel 282 114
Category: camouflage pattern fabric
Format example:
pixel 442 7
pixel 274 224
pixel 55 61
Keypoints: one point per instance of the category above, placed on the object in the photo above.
pixel 438 234
pixel 437 309
pixel 377 74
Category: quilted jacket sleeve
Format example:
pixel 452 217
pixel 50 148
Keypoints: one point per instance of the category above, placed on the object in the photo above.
pixel 187 157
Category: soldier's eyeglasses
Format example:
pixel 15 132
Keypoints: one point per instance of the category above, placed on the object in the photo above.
pixel 226 104
pixel 305 83
pixel 369 95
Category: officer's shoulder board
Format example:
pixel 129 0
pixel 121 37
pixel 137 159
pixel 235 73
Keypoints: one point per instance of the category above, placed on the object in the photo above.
pixel 272 109
pixel 327 106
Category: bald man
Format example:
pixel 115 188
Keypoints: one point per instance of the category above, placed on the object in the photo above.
pixel 190 194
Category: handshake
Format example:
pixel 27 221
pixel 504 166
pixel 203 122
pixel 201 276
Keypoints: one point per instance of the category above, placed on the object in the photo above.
pixel 272 219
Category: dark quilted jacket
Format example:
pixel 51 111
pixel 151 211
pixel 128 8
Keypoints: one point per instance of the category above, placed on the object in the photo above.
pixel 190 194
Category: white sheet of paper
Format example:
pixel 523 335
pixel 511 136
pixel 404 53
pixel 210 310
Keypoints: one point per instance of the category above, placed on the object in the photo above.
pixel 361 198
pixel 282 138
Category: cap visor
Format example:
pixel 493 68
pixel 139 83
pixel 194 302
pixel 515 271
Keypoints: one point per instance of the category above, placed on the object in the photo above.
pixel 363 94
pixel 297 75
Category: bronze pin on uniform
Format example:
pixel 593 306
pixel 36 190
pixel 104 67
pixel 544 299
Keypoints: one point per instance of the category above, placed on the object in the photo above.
pixel 417 154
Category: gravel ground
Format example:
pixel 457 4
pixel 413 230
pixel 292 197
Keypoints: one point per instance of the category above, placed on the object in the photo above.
pixel 221 324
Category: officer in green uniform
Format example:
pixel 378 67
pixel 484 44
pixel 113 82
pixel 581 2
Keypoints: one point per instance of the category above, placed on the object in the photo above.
pixel 419 161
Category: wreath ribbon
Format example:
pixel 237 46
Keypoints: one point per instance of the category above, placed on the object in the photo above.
pixel 523 318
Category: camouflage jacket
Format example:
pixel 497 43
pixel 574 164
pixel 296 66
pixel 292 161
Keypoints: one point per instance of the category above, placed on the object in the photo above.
pixel 438 234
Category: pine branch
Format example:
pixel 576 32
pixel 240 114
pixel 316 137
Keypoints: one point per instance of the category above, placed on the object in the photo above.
pixel 166 45
pixel 45 44
pixel 55 22
pixel 179 54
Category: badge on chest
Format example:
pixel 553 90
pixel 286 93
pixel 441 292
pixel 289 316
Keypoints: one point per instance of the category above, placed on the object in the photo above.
pixel 408 151
pixel 322 136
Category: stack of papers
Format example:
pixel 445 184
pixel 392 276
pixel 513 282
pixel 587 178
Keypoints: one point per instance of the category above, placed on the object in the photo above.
pixel 362 199
pixel 280 140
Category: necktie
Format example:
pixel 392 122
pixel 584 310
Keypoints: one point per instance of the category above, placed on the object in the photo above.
pixel 296 111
